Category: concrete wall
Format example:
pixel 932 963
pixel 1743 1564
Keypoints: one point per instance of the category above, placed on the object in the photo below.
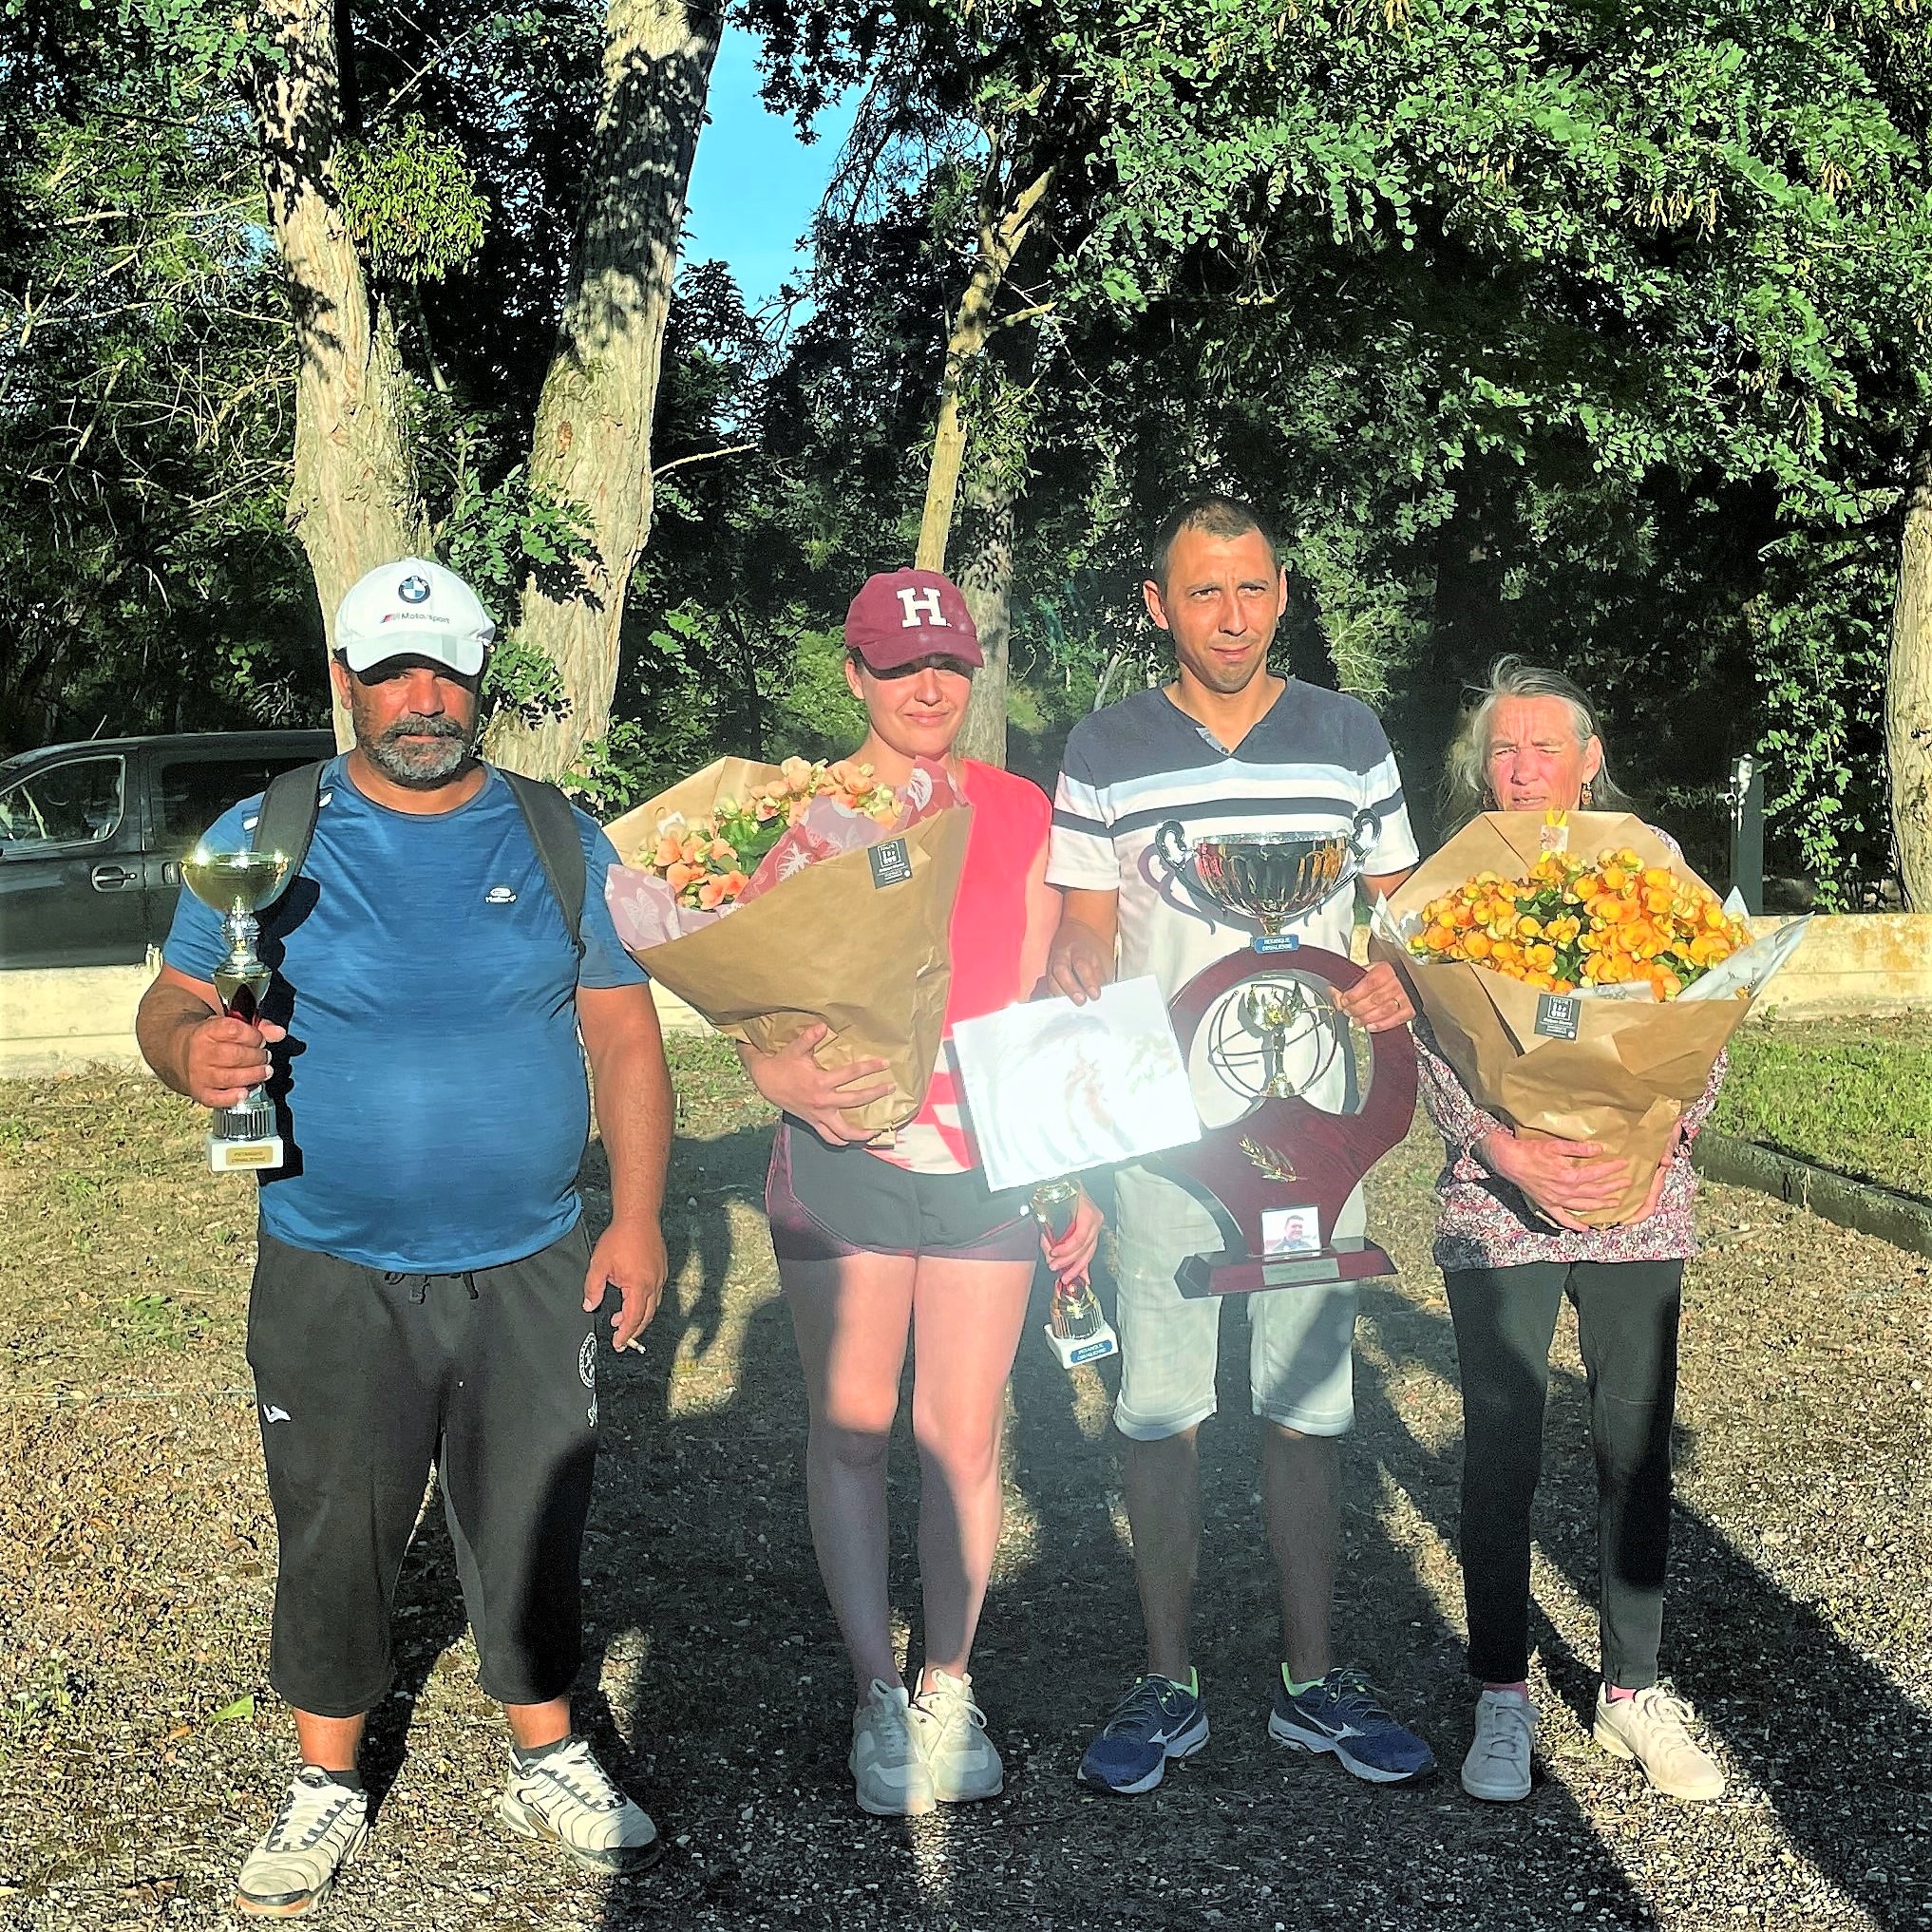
pixel 1866 964
pixel 59 1021
pixel 54 1022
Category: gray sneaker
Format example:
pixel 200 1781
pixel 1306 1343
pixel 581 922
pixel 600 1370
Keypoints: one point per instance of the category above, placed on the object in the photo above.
pixel 886 1766
pixel 320 1827
pixel 1497 1768
pixel 1651 1729
pixel 950 1731
pixel 569 1798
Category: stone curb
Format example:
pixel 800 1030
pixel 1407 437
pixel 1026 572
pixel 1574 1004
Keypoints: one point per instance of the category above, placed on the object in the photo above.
pixel 1900 1219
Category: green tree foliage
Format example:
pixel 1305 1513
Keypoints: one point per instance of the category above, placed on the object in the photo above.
pixel 1597 333
pixel 1591 333
pixel 144 582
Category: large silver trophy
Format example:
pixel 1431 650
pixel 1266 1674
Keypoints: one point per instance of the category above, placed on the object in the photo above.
pixel 237 886
pixel 1275 1178
pixel 1271 878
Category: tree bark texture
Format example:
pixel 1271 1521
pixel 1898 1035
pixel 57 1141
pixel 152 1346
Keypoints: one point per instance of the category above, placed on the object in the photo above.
pixel 352 501
pixel 1908 689
pixel 987 585
pixel 1001 234
pixel 591 441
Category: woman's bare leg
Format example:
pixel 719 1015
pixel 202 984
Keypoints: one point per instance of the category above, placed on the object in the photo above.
pixel 966 1326
pixel 851 1317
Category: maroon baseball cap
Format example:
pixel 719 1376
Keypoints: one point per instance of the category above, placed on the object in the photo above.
pixel 901 616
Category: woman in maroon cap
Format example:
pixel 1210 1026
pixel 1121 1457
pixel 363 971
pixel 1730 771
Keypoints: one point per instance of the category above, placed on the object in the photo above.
pixel 877 1242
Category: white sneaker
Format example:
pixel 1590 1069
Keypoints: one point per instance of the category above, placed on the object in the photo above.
pixel 319 1828
pixel 1650 1727
pixel 569 1798
pixel 1497 1768
pixel 950 1731
pixel 885 1763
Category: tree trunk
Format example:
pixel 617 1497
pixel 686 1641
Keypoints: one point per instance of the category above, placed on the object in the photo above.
pixel 987 583
pixel 1908 689
pixel 1001 233
pixel 591 441
pixel 352 502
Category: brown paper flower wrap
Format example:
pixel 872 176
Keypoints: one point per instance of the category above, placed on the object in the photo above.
pixel 831 943
pixel 1636 1062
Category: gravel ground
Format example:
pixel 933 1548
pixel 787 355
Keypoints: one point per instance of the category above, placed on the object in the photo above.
pixel 141 1750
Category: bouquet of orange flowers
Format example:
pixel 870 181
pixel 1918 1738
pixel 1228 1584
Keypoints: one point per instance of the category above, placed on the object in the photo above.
pixel 1582 997
pixel 707 858
pixel 1570 922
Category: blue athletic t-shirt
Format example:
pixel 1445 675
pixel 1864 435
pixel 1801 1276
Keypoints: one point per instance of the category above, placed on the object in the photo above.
pixel 431 1092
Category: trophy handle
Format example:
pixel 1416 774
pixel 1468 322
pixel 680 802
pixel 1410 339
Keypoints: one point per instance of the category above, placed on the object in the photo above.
pixel 1170 842
pixel 1363 834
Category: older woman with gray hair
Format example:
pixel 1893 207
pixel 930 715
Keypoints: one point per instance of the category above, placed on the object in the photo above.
pixel 1512 1242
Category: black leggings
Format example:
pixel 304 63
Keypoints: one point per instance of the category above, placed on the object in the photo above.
pixel 1627 1318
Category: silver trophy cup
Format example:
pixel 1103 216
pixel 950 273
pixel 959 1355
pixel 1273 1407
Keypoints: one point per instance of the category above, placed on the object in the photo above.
pixel 1271 878
pixel 237 886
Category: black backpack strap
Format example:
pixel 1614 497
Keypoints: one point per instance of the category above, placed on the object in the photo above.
pixel 287 819
pixel 552 821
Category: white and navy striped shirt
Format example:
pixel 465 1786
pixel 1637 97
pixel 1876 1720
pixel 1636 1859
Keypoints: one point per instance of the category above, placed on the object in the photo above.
pixel 1309 764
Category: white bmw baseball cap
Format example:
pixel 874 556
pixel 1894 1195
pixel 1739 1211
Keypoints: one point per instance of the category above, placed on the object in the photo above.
pixel 413 608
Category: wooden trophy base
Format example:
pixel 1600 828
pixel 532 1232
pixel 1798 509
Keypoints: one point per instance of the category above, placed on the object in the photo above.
pixel 1348 1259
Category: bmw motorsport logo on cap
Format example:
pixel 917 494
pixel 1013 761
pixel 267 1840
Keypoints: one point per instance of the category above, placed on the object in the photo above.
pixel 413 606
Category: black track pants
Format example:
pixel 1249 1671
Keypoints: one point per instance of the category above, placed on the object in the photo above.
pixel 365 1381
pixel 1627 1325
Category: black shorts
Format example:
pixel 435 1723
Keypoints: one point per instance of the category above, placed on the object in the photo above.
pixel 364 1381
pixel 826 1202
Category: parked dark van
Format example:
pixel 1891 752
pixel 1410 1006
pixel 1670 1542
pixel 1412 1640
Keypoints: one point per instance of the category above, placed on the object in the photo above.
pixel 92 836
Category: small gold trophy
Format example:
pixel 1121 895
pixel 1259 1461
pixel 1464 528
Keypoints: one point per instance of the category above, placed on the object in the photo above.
pixel 1076 1328
pixel 237 886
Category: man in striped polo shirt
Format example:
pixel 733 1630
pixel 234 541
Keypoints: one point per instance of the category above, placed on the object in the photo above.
pixel 1226 747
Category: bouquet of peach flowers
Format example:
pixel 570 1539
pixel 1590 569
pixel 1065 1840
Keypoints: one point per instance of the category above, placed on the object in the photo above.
pixel 770 897
pixel 710 859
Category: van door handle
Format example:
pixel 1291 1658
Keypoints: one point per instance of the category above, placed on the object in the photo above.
pixel 171 871
pixel 111 877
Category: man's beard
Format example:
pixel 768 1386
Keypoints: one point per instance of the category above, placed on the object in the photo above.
pixel 422 767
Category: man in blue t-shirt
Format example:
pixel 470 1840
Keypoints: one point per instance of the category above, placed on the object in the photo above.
pixel 426 1291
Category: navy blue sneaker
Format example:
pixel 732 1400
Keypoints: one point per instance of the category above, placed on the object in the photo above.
pixel 1343 1714
pixel 1156 1720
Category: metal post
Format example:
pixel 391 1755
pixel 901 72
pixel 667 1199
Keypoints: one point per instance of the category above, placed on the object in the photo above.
pixel 1746 799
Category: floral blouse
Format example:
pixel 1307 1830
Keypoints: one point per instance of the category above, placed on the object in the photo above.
pixel 1486 1223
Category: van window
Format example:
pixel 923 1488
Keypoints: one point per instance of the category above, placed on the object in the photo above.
pixel 193 793
pixel 75 803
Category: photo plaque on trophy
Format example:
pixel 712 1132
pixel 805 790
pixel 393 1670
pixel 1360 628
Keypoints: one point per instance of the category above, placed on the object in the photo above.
pixel 239 885
pixel 1277 1175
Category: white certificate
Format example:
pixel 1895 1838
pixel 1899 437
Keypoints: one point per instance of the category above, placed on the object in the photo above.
pixel 1052 1088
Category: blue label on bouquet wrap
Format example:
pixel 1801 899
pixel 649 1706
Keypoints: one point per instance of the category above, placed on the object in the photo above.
pixel 891 863
pixel 1557 1015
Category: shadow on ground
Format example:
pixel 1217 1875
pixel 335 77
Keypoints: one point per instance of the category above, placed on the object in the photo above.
pixel 709 1628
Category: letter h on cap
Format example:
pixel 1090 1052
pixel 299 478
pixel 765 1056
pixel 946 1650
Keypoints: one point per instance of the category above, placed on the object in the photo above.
pixel 914 601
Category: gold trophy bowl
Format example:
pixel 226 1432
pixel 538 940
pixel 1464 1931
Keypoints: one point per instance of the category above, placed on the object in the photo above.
pixel 237 886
